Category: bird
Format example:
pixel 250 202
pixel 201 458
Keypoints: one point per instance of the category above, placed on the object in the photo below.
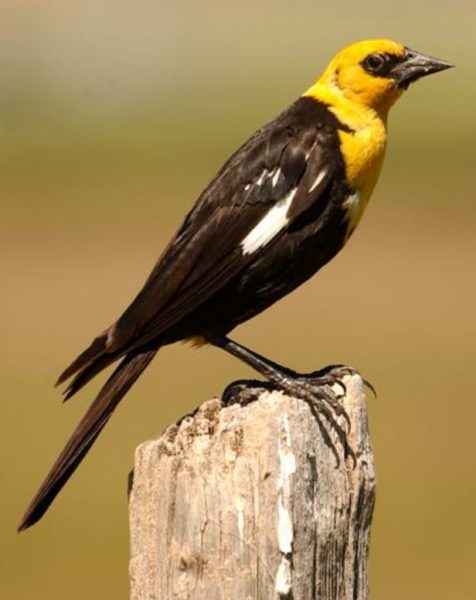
pixel 280 208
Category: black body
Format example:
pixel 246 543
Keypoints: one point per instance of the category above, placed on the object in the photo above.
pixel 204 284
pixel 215 286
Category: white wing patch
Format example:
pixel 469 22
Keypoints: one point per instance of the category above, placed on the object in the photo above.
pixel 276 175
pixel 269 226
pixel 318 180
pixel 273 175
pixel 262 177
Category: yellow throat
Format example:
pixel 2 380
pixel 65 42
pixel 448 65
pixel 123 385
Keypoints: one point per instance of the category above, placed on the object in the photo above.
pixel 361 102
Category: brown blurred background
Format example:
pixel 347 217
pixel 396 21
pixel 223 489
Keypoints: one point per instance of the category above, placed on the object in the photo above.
pixel 114 115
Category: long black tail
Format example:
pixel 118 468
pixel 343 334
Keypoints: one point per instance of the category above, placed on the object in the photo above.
pixel 86 433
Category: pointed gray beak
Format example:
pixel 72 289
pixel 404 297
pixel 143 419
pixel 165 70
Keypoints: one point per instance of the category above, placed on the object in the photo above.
pixel 416 65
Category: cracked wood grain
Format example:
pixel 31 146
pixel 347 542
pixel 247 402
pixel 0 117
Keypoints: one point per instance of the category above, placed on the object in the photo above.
pixel 246 502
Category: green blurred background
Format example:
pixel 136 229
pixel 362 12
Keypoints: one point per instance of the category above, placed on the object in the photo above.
pixel 113 116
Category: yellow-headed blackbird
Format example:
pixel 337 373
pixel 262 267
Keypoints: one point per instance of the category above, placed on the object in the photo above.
pixel 277 211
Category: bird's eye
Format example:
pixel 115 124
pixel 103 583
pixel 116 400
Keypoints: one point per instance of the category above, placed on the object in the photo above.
pixel 375 63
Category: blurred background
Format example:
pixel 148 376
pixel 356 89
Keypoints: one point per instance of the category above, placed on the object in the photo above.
pixel 114 115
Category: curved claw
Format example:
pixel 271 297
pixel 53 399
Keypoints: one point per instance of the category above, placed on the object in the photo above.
pixel 370 387
pixel 343 386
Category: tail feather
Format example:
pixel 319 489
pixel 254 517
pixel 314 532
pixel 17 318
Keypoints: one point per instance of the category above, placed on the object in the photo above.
pixel 86 358
pixel 86 433
pixel 85 374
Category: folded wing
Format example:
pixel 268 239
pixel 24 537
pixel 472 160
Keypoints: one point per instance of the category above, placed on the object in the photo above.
pixel 282 171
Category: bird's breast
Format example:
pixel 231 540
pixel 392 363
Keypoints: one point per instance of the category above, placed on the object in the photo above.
pixel 363 150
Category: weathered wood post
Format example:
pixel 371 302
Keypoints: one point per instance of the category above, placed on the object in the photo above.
pixel 247 502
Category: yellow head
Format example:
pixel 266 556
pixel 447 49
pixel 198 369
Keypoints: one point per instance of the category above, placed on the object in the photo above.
pixel 374 73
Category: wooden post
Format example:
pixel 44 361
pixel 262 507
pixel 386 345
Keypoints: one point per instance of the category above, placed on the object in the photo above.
pixel 247 502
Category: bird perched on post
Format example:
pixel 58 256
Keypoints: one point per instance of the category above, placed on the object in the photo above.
pixel 278 210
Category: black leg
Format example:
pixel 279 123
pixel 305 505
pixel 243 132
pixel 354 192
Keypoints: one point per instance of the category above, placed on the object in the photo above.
pixel 315 388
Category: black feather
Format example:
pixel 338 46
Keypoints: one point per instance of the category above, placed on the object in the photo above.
pixel 85 434
pixel 204 283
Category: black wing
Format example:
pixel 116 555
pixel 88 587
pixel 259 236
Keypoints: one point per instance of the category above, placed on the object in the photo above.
pixel 289 154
